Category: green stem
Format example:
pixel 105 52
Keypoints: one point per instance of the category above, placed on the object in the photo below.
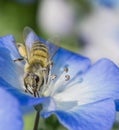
pixel 36 120
pixel 38 108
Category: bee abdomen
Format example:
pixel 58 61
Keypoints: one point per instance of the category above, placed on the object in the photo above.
pixel 39 53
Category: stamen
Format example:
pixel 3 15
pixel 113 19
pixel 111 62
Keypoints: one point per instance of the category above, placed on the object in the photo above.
pixel 49 76
pixel 48 89
pixel 74 82
pixel 60 82
pixel 48 82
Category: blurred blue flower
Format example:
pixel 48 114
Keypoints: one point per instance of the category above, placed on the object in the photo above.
pixel 107 3
pixel 85 102
pixel 56 17
pixel 99 33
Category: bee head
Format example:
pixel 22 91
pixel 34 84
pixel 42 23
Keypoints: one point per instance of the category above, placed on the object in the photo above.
pixel 31 82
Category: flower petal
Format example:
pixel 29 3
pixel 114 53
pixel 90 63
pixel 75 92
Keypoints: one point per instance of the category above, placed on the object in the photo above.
pixel 10 71
pixel 22 98
pixel 9 43
pixel 108 3
pixel 10 113
pixel 93 116
pixel 99 82
pixel 74 62
pixel 102 80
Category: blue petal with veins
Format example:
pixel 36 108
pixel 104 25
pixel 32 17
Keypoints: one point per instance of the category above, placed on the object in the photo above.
pixel 10 43
pixel 22 98
pixel 74 62
pixel 9 70
pixel 99 82
pixel 10 113
pixel 96 116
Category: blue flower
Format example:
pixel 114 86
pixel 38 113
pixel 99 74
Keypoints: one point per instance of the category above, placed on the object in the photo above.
pixel 86 101
pixel 107 3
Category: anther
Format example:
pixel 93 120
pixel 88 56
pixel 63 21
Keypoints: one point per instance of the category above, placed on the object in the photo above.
pixel 53 77
pixel 67 77
pixel 66 70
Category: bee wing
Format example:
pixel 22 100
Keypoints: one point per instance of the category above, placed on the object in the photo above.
pixel 29 38
pixel 53 43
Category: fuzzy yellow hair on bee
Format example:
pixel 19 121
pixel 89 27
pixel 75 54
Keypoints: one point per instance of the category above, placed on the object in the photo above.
pixel 37 56
pixel 22 49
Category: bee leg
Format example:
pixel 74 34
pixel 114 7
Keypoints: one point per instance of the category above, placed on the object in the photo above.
pixel 34 93
pixel 19 59
pixel 37 93
pixel 51 64
pixel 28 91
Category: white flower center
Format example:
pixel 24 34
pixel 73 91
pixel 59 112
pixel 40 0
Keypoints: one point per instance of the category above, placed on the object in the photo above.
pixel 56 83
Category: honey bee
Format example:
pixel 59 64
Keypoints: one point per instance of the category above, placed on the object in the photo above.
pixel 37 55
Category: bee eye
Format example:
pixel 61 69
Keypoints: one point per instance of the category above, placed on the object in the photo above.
pixel 37 79
pixel 28 74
